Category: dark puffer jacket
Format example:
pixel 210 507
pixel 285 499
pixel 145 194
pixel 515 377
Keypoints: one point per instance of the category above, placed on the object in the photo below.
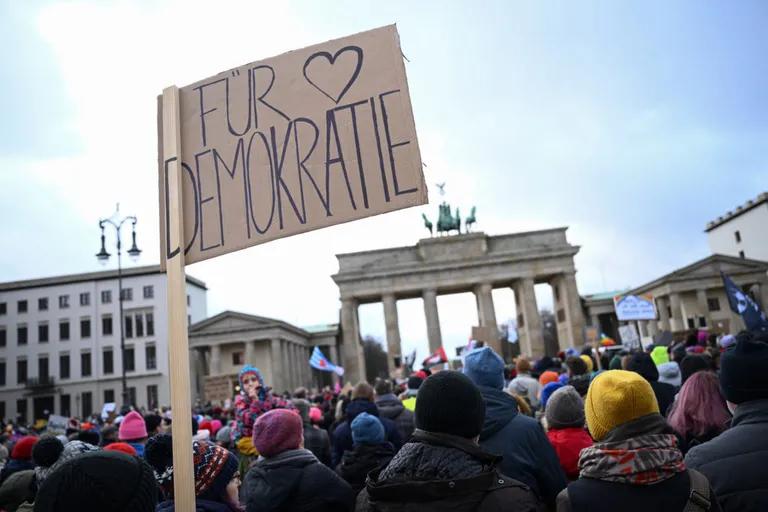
pixel 392 408
pixel 295 481
pixel 317 441
pixel 443 473
pixel 342 435
pixel 527 454
pixel 358 462
pixel 734 462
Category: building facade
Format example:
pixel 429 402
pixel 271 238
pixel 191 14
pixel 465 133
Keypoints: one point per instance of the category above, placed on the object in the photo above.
pixel 60 341
pixel 743 232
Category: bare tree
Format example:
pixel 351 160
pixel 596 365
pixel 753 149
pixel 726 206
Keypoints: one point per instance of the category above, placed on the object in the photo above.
pixel 549 332
pixel 375 358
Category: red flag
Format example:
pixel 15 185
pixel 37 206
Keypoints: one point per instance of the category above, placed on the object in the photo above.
pixel 436 358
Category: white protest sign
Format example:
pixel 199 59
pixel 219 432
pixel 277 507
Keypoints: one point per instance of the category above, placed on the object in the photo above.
pixel 57 424
pixel 629 336
pixel 307 139
pixel 634 307
pixel 108 408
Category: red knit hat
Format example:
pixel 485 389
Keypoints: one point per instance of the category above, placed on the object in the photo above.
pixel 277 431
pixel 205 425
pixel 121 447
pixel 23 448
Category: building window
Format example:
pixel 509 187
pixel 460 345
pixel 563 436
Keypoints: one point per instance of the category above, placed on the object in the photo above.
pixel 21 371
pixel 189 319
pixel 556 289
pixel 3 336
pixel 42 368
pixel 109 396
pixel 85 327
pixel 741 255
pixel 737 235
pixel 42 333
pixel 149 317
pixel 132 396
pixel 149 292
pixel 21 335
pixel 85 299
pixel 66 405
pixel 139 323
pixel 3 308
pixel 42 304
pixel 63 366
pixel 2 373
pixel 150 354
pixel 702 321
pixel 560 315
pixel 126 294
pixel 106 296
pixel 237 358
pixel 21 306
pixel 87 399
pixel 152 401
pixel 669 311
pixel 63 301
pixel 187 299
pixel 2 410
pixel 129 326
pixel 713 304
pixel 129 359
pixel 106 325
pixel 64 330
pixel 109 362
pixel 21 409
pixel 691 323
pixel 85 364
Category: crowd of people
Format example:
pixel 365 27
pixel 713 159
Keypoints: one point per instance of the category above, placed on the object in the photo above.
pixel 669 428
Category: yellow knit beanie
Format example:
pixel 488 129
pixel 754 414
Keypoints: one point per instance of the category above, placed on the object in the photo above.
pixel 616 397
pixel 588 361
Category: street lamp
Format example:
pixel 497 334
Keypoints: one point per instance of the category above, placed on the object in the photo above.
pixel 103 256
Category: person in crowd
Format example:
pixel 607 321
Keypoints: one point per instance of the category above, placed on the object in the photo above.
pixel 522 404
pixel 693 363
pixel 442 467
pixel 133 431
pixel 288 477
pixel 546 392
pixel 526 453
pixel 700 412
pixel 642 364
pixel 579 374
pixel 734 461
pixel 392 408
pixel 21 457
pixel 122 448
pixel 411 390
pixel 547 377
pixel 217 480
pixel 316 439
pixel 669 371
pixel 588 360
pixel 362 401
pixel 154 424
pixel 99 481
pixel 635 463
pixel 109 434
pixel 565 422
pixel 21 486
pixel 524 385
pixel 224 437
pixel 371 451
pixel 90 436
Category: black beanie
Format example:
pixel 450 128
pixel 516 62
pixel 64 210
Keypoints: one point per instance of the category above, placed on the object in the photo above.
pixel 643 364
pixel 449 403
pixel 743 375
pixel 46 451
pixel 692 364
pixel 99 481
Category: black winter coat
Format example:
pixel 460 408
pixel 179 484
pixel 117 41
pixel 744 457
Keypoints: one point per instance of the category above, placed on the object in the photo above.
pixel 665 393
pixel 442 473
pixel 295 481
pixel 527 455
pixel 392 408
pixel 358 462
pixel 342 436
pixel 317 441
pixel 734 462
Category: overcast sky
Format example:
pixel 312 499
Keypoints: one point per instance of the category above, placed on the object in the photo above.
pixel 633 123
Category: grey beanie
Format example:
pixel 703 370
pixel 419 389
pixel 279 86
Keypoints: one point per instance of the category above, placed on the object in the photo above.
pixel 565 408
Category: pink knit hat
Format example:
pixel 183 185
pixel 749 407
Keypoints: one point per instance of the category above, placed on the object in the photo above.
pixel 315 415
pixel 132 427
pixel 277 431
pixel 215 426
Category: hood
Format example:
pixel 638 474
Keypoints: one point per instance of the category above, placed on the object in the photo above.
pixel 389 406
pixel 359 405
pixel 500 409
pixel 670 373
pixel 643 364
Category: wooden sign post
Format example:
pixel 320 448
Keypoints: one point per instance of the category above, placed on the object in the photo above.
pixel 178 344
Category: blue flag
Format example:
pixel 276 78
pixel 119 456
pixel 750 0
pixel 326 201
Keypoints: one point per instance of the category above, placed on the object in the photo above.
pixel 319 362
pixel 742 303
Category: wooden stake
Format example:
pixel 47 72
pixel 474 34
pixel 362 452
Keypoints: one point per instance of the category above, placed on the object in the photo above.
pixel 178 344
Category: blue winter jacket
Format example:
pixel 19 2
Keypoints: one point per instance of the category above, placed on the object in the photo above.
pixel 526 453
pixel 342 436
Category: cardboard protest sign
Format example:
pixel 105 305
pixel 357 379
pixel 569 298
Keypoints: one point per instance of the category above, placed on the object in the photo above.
pixel 304 140
pixel 629 336
pixel 57 424
pixel 634 307
pixel 219 387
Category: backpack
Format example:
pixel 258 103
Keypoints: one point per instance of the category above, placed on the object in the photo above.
pixel 699 499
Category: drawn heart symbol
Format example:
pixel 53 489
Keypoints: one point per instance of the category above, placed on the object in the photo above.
pixel 325 77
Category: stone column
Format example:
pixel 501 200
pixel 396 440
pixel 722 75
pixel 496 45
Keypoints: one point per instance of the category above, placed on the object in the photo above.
pixel 574 313
pixel 701 300
pixel 763 295
pixel 433 320
pixel 531 336
pixel 486 314
pixel 653 328
pixel 661 305
pixel 393 330
pixel 351 350
pixel 250 352
pixel 642 328
pixel 676 321
pixel 594 320
pixel 216 360
pixel 276 364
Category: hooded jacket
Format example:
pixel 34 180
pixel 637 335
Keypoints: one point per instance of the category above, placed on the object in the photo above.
pixel 391 408
pixel 527 454
pixel 361 460
pixel 568 443
pixel 342 435
pixel 439 472
pixel 295 481
pixel 643 365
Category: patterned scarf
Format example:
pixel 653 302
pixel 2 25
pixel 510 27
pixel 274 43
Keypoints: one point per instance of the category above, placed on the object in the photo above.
pixel 641 460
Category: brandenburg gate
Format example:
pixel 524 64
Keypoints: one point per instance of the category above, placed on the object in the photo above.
pixel 473 262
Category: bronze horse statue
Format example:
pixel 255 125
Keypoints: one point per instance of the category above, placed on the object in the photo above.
pixel 470 221
pixel 427 224
pixel 446 222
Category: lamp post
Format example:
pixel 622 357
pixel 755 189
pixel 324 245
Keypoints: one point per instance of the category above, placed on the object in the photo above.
pixel 103 256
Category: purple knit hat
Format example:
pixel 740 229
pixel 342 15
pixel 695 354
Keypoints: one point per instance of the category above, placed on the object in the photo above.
pixel 277 431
